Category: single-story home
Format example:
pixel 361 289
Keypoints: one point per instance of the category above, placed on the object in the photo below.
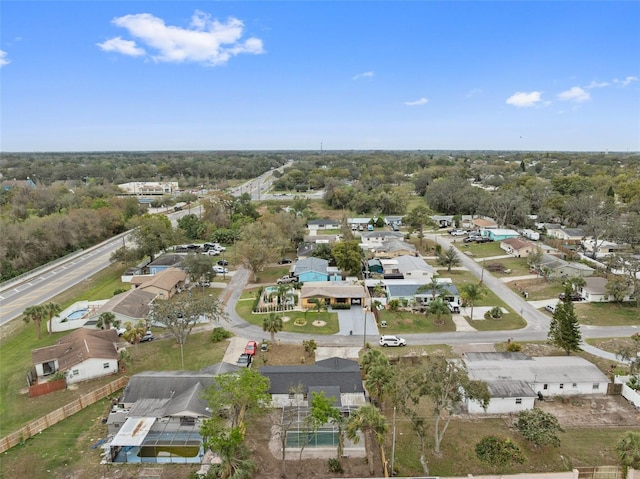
pixel 312 269
pixel 323 224
pixel 82 355
pixel 332 292
pixel 375 266
pixel 499 234
pixel 595 291
pixel 164 283
pixel 393 220
pixel 128 307
pixel 160 411
pixel 564 234
pixel 443 221
pixel 391 249
pixel 554 267
pixel 338 378
pixel 603 248
pixel 371 239
pixel 517 247
pixel 484 223
pixel 507 373
pixel 406 292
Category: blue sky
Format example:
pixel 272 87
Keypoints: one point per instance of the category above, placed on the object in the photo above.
pixel 181 75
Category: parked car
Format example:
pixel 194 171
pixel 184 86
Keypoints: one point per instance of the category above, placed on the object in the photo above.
pixel 244 361
pixel 483 239
pixel 213 252
pixel 392 341
pixel 457 232
pixel 220 269
pixel 222 262
pixel 148 336
pixel 551 308
pixel 287 279
pixel 251 348
pixel 285 261
pixel 574 297
pixel 471 239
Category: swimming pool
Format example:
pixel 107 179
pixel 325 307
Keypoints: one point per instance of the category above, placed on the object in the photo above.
pixel 77 314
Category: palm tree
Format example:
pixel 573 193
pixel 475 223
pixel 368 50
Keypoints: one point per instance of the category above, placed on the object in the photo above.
pixel 378 381
pixel 35 313
pixel 106 320
pixel 134 332
pixel 472 292
pixel 628 451
pixel 52 310
pixel 438 307
pixel 272 324
pixel 449 258
pixel 372 358
pixel 435 287
pixel 372 424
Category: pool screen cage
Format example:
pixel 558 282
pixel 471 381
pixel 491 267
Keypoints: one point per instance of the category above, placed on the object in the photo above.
pixel 300 435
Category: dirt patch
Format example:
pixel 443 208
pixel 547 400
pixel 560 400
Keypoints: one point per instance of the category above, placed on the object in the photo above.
pixel 592 411
pixel 282 355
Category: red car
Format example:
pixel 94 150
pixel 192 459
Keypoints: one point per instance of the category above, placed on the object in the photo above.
pixel 251 348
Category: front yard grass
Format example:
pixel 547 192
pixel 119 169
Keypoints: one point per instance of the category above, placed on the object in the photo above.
pixel 411 323
pixel 607 314
pixel 331 326
pixel 480 250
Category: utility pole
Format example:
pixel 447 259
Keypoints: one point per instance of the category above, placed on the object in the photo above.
pixel 393 442
pixel 364 340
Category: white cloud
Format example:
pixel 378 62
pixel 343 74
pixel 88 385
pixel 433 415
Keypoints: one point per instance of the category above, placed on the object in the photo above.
pixel 3 58
pixel 421 101
pixel 627 81
pixel 363 75
pixel 575 94
pixel 595 84
pixel 205 41
pixel 125 47
pixel 521 99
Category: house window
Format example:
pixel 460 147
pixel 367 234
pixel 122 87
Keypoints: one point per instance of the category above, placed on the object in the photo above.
pixel 105 365
pixel 75 372
pixel 292 395
pixel 545 387
pixel 561 386
pixel 596 386
pixel 518 400
pixel 574 385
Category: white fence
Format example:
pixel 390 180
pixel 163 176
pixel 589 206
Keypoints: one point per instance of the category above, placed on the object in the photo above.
pixel 628 393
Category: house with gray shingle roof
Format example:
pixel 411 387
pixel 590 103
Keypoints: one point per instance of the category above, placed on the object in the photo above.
pixel 128 307
pixel 339 378
pixel 554 267
pixel 162 408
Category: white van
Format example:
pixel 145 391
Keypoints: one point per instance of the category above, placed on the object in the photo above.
pixel 551 308
pixel 454 307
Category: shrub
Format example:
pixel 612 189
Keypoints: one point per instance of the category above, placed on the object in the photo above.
pixel 219 334
pixel 513 347
pixel 335 465
pixel 120 290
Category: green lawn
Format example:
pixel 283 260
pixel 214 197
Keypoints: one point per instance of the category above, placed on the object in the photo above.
pixel 330 320
pixel 411 323
pixel 607 314
pixel 480 250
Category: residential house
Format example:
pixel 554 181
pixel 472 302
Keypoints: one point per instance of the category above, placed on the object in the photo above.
pixel 375 266
pixel 393 220
pixel 574 235
pixel 164 284
pixel 359 223
pixel 393 248
pixel 164 262
pixel 372 239
pixel 338 378
pixel 414 268
pixel 128 307
pixel 484 223
pixel 554 267
pixel 406 291
pixel 332 292
pixel 517 247
pixel 507 373
pixel 82 355
pixel 17 184
pixel 595 291
pixel 499 234
pixel 443 221
pixel 315 269
pixel 602 249
pixel 315 226
pixel 159 412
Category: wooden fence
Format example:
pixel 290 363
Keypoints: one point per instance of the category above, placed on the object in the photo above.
pixel 54 417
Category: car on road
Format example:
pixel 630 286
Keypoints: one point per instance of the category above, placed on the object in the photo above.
pixel 251 348
pixel 285 261
pixel 220 269
pixel 244 361
pixel 287 279
pixel 148 336
pixel 392 341
pixel 457 232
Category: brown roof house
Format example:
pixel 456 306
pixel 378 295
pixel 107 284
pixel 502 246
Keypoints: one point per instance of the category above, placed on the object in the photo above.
pixel 83 354
pixel 164 284
pixel 332 292
pixel 517 247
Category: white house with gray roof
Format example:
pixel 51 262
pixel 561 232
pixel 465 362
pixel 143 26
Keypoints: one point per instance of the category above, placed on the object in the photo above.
pixel 507 373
